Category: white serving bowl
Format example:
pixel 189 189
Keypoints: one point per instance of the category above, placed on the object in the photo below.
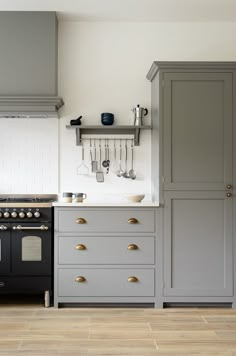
pixel 135 198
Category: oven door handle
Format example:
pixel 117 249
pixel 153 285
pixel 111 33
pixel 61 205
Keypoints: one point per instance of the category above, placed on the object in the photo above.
pixel 19 227
pixel 3 227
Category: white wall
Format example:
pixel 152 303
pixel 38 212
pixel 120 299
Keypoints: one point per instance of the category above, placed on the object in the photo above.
pixel 28 156
pixel 102 67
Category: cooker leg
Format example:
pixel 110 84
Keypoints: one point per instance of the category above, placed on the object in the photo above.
pixel 46 299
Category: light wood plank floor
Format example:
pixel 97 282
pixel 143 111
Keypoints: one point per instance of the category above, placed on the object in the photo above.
pixel 30 329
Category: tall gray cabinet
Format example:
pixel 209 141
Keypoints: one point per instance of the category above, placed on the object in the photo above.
pixel 193 114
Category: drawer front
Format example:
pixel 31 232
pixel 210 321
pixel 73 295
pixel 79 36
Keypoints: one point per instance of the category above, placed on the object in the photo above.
pixel 106 282
pixel 106 221
pixel 106 250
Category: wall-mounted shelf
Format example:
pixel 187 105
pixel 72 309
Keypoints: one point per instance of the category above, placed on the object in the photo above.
pixel 108 130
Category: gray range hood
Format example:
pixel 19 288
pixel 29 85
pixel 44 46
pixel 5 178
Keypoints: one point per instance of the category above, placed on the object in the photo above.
pixel 28 65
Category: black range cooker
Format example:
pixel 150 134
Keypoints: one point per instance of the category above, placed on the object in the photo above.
pixel 26 239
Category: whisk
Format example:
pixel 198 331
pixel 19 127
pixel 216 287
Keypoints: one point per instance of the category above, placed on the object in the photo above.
pixel 82 169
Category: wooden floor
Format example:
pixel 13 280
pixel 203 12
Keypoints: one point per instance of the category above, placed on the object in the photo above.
pixel 27 328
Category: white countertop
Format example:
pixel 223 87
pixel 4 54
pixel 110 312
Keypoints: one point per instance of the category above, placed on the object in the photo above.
pixel 145 204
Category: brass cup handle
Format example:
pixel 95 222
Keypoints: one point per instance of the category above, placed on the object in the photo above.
pixel 132 247
pixel 229 186
pixel 133 279
pixel 80 221
pixel 229 195
pixel 80 247
pixel 80 279
pixel 132 221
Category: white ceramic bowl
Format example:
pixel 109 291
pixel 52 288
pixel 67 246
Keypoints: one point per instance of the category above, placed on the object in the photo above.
pixel 135 198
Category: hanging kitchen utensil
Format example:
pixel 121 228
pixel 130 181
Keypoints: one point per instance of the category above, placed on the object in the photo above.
pixel 113 164
pixel 126 174
pixel 90 151
pixel 132 172
pixel 104 162
pixel 120 172
pixel 82 168
pixel 94 163
pixel 99 173
pixel 108 156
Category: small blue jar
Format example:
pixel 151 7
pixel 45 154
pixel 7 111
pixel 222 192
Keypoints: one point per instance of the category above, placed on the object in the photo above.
pixel 107 118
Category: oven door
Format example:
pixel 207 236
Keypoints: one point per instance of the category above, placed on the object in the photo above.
pixel 5 249
pixel 32 249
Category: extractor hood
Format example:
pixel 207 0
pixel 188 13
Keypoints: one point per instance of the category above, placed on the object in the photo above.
pixel 28 65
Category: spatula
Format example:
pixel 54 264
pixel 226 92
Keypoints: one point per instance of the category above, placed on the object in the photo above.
pixel 99 173
pixel 94 163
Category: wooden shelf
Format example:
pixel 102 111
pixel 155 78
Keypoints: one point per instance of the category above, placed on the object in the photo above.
pixel 108 130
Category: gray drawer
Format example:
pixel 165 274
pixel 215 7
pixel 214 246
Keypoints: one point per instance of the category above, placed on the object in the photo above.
pixel 106 282
pixel 106 221
pixel 106 250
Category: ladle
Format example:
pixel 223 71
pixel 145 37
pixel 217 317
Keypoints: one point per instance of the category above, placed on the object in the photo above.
pixel 132 172
pixel 120 172
pixel 126 174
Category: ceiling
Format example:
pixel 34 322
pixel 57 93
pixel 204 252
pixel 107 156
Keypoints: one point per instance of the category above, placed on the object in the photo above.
pixel 130 10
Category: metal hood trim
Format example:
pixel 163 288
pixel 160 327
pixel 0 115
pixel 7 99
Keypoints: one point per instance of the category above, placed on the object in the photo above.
pixel 30 106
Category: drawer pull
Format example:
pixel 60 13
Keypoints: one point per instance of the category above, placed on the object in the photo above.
pixel 80 221
pixel 133 279
pixel 80 279
pixel 80 247
pixel 132 247
pixel 133 221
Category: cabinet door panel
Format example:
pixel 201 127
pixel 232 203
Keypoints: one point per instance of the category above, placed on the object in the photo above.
pixel 106 250
pixel 101 282
pixel 106 221
pixel 198 244
pixel 197 131
pixel 5 253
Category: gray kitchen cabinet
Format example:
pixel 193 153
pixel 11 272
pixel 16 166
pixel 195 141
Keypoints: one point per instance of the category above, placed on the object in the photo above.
pixel 104 282
pixel 90 249
pixel 110 221
pixel 198 244
pixel 193 118
pixel 197 131
pixel 106 255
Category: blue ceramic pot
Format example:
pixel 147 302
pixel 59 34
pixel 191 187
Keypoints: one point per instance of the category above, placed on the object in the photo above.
pixel 107 118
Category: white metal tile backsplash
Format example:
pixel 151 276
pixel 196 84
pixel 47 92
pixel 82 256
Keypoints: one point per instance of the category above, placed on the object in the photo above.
pixel 29 156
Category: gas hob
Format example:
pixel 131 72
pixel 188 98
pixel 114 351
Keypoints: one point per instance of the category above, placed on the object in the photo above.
pixel 31 201
pixel 25 207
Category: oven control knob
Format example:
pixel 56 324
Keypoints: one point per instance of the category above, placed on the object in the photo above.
pixel 6 214
pixel 29 214
pixel 37 214
pixel 22 215
pixel 14 214
pixel 0 214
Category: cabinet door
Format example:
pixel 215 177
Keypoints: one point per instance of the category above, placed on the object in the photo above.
pixel 198 244
pixel 5 253
pixel 31 251
pixel 197 131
